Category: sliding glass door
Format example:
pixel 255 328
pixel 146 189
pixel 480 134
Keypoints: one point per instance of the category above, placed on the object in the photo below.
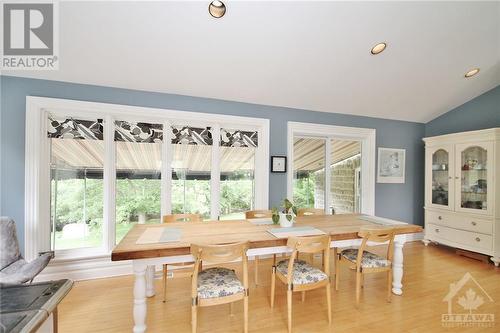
pixel 309 172
pixel 345 177
pixel 338 190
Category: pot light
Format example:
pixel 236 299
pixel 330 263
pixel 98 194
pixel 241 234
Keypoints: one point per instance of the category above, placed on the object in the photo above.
pixel 472 72
pixel 217 9
pixel 379 48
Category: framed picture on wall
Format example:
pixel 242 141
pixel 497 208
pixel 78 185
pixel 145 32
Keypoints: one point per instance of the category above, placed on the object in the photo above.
pixel 391 165
pixel 278 164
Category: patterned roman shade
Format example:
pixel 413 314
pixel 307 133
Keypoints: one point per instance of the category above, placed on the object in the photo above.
pixel 70 128
pixel 138 132
pixel 237 138
pixel 187 135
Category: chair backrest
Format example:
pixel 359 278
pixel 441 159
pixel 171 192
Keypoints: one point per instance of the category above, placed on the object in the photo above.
pixel 9 244
pixel 377 236
pixel 258 214
pixel 310 211
pixel 219 253
pixel 309 244
pixel 182 218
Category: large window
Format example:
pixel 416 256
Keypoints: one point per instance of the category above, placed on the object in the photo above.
pixel 109 167
pixel 138 174
pixel 191 169
pixel 237 170
pixel 76 169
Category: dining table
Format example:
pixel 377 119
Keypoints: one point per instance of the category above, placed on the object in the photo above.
pixel 146 254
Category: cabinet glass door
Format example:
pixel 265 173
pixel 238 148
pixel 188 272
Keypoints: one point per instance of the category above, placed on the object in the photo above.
pixel 440 178
pixel 475 174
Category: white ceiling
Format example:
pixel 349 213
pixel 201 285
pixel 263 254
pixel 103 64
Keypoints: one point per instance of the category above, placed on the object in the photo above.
pixel 309 55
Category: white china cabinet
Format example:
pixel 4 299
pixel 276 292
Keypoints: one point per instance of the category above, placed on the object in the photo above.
pixel 462 185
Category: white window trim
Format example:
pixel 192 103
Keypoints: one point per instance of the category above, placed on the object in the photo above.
pixel 367 137
pixel 37 157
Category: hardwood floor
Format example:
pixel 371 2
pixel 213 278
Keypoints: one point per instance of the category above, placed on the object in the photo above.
pixel 106 305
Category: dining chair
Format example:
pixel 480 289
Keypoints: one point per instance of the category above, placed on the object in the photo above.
pixel 258 214
pixel 365 262
pixel 310 211
pixel 171 219
pixel 218 285
pixel 298 275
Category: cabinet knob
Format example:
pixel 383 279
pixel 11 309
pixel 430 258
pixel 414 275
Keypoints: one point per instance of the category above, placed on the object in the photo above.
pixel 437 230
pixel 473 223
pixel 440 217
pixel 457 177
pixel 450 177
pixel 478 239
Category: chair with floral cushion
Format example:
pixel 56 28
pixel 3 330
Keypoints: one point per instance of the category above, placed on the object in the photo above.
pixel 364 262
pixel 252 215
pixel 171 219
pixel 218 285
pixel 298 275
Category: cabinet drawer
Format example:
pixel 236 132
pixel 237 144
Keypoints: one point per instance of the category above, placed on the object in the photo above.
pixel 471 239
pixel 457 221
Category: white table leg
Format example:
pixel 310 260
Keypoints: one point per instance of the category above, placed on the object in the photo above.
pixel 140 306
pixel 150 281
pixel 397 266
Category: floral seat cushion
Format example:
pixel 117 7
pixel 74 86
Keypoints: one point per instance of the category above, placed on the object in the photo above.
pixel 303 273
pixel 370 260
pixel 218 282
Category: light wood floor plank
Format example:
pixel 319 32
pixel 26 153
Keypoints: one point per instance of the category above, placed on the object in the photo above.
pixel 105 305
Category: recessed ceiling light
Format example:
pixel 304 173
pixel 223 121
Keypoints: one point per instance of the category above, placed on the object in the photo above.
pixel 472 72
pixel 217 9
pixel 378 48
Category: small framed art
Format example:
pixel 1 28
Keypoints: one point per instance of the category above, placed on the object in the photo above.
pixel 391 165
pixel 278 164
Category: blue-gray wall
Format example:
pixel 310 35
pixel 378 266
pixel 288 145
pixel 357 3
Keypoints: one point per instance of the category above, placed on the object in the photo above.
pixel 479 113
pixel 399 201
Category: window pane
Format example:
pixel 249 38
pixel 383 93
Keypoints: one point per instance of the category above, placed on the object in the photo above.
pixel 237 182
pixel 76 193
pixel 474 176
pixel 345 177
pixel 138 185
pixel 309 172
pixel 191 179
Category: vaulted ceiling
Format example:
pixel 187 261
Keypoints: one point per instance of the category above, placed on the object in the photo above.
pixel 308 55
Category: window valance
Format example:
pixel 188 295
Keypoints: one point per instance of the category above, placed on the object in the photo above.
pixel 237 138
pixel 188 135
pixel 70 128
pixel 138 132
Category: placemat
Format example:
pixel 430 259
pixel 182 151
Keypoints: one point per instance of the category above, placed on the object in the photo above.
pixel 160 235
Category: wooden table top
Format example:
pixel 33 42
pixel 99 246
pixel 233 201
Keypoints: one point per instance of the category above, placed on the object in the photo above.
pixel 340 227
